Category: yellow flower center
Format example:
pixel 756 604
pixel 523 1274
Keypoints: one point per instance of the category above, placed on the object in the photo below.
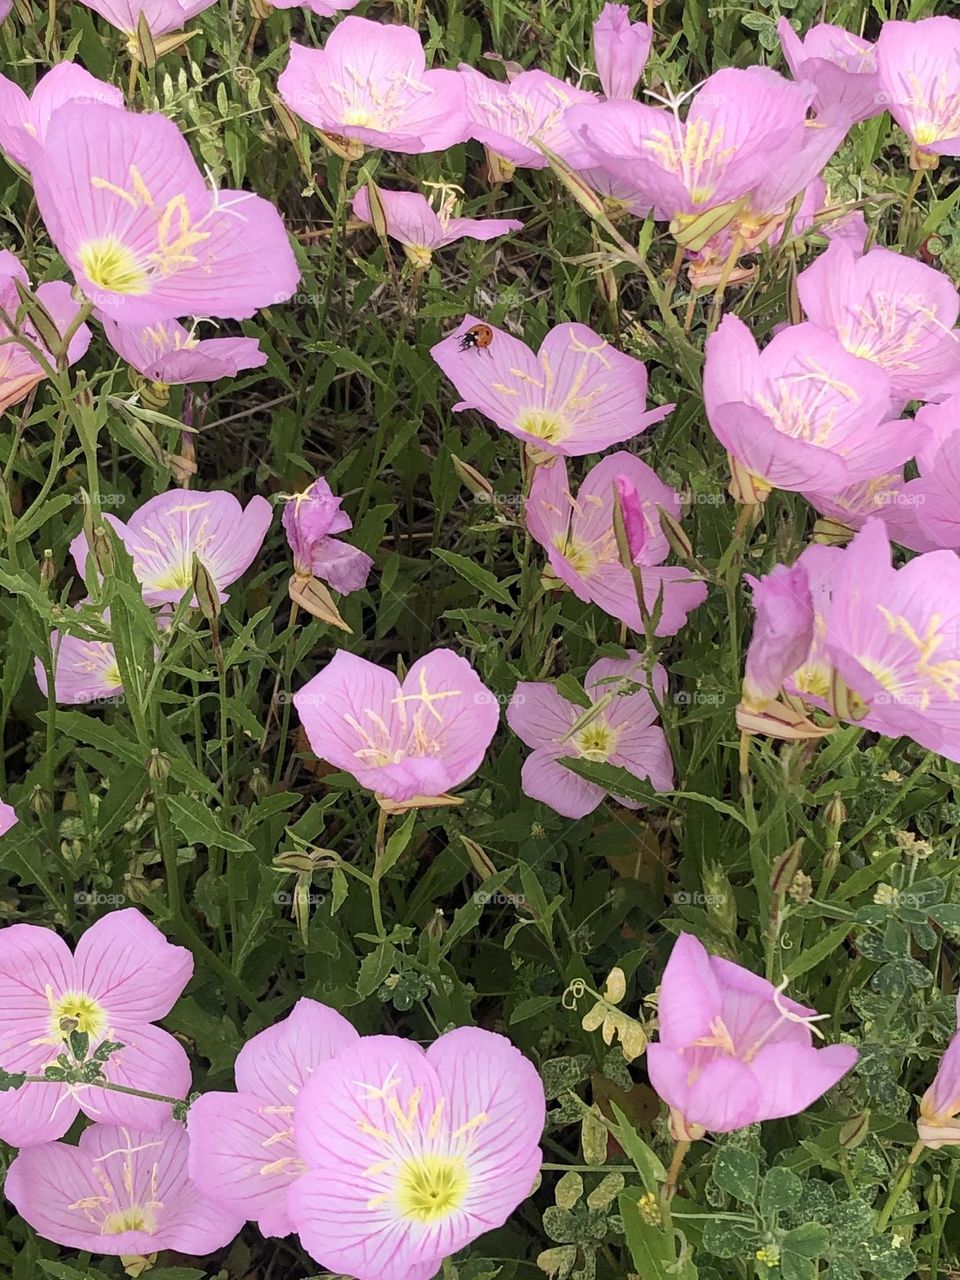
pixel 544 424
pixel 111 265
pixel 76 1007
pixel 431 1187
pixel 596 742
pixel 134 1218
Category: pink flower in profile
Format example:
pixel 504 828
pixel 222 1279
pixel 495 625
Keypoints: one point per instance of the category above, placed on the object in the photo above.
pixel 369 82
pixel 146 238
pixel 85 669
pixel 165 534
pixel 412 1155
pixel 242 1150
pixel 412 222
pixel 8 817
pixel 919 66
pixel 619 729
pixel 121 1191
pixel 577 395
pixel 404 742
pixel 634 517
pixel 24 121
pixel 782 632
pixel 733 1051
pixel 843 67
pixel 578 537
pixel 892 310
pixel 804 412
pixel 322 8
pixel 20 370
pixel 933 498
pixel 620 50
pixel 510 118
pixel 938 1125
pixel 167 352
pixel 162 16
pixel 311 520
pixel 889 497
pixel 121 978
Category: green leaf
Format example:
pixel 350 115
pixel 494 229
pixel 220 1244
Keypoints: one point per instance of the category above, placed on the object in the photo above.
pixel 825 946
pixel 646 1162
pixel 652 1248
pixel 737 1172
pixel 198 825
pixel 781 1190
pixel 482 579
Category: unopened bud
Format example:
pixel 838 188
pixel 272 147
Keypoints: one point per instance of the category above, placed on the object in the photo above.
pixel 786 868
pixel 478 484
pixel 832 533
pixel 855 1130
pixel 205 590
pixel 721 904
pixel 345 148
pixel 259 783
pixel 436 926
pixel 479 860
pixel 158 767
pixel 694 230
pixel 675 535
pixel 499 168
pixel 142 43
pixel 40 318
pixel 585 196
pixel 48 569
pixel 835 813
pixel 301 905
pixel 378 214
pixel 846 703
pixel 41 801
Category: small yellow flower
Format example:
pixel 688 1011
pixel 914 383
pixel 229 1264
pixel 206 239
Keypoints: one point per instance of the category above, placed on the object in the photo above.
pixel 769 1255
pixel 885 896
pixel 649 1209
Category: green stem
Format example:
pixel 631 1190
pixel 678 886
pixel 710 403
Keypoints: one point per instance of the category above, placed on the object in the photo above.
pixel 900 1186
pixel 380 845
pixel 113 1088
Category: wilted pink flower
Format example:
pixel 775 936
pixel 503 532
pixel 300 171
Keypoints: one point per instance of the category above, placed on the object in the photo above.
pixel 146 238
pixel 578 537
pixel 322 8
pixel 577 395
pixel 620 730
pixel 412 221
pixel 242 1150
pixel 24 121
pixel 733 1050
pixel 740 125
pixel 369 82
pixel 166 533
pixel 8 817
pixel 919 66
pixel 168 352
pixel 841 65
pixel 122 977
pixel 620 50
pixel 940 1106
pixel 804 412
pixel 20 370
pixel 892 310
pixel 412 1155
pixel 118 1191
pixel 510 118
pixel 162 15
pixel 310 521
pixel 85 670
pixel 406 741
pixel 782 632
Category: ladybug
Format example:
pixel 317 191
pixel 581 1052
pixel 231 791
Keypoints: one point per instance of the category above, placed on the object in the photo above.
pixel 479 337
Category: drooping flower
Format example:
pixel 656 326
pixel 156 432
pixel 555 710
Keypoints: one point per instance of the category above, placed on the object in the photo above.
pixel 620 50
pixel 412 1155
pixel 576 395
pixel 322 8
pixel 24 120
pixel 892 310
pixel 843 66
pixel 121 978
pixel 8 817
pixel 782 632
pixel 165 534
pixel 162 16
pixel 919 67
pixel 619 729
pixel 804 412
pixel 733 1051
pixel 242 1150
pixel 412 222
pixel 578 537
pixel 145 236
pixel 311 520
pixel 20 370
pixel 404 742
pixel 938 1125
pixel 121 1191
pixel 369 83
pixel 168 352
pixel 85 669
pixel 509 118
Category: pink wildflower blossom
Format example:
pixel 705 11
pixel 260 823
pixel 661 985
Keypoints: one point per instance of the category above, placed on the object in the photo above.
pixel 311 520
pixel 919 66
pixel 322 8
pixel 24 121
pixel 20 370
pixel 510 118
pixel 85 669
pixel 843 67
pixel 938 1125
pixel 782 632
pixel 162 16
pixel 167 352
pixel 412 222
pixel 620 50
pixel 8 817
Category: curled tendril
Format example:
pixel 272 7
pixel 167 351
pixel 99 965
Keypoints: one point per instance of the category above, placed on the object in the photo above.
pixel 574 992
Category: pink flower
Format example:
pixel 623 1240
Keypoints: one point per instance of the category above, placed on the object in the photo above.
pixel 322 8
pixel 940 1105
pixel 146 238
pixel 413 223
pixel 24 121
pixel 890 309
pixel 310 519
pixel 634 518
pixel 620 50
pixel 577 395
pixel 165 533
pixel 510 118
pixel 162 15
pixel 405 742
pixel 122 977
pixel 782 632
pixel 578 537
pixel 118 1191
pixel 85 669
pixel 919 66
pixel 412 1155
pixel 5 7
pixel 841 65
pixel 812 680
pixel 803 413
pixel 733 1051
pixel 933 498
pixel 167 352
pixel 242 1151
pixel 8 817
pixel 369 82
pixel 890 497
pixel 619 730
pixel 20 370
